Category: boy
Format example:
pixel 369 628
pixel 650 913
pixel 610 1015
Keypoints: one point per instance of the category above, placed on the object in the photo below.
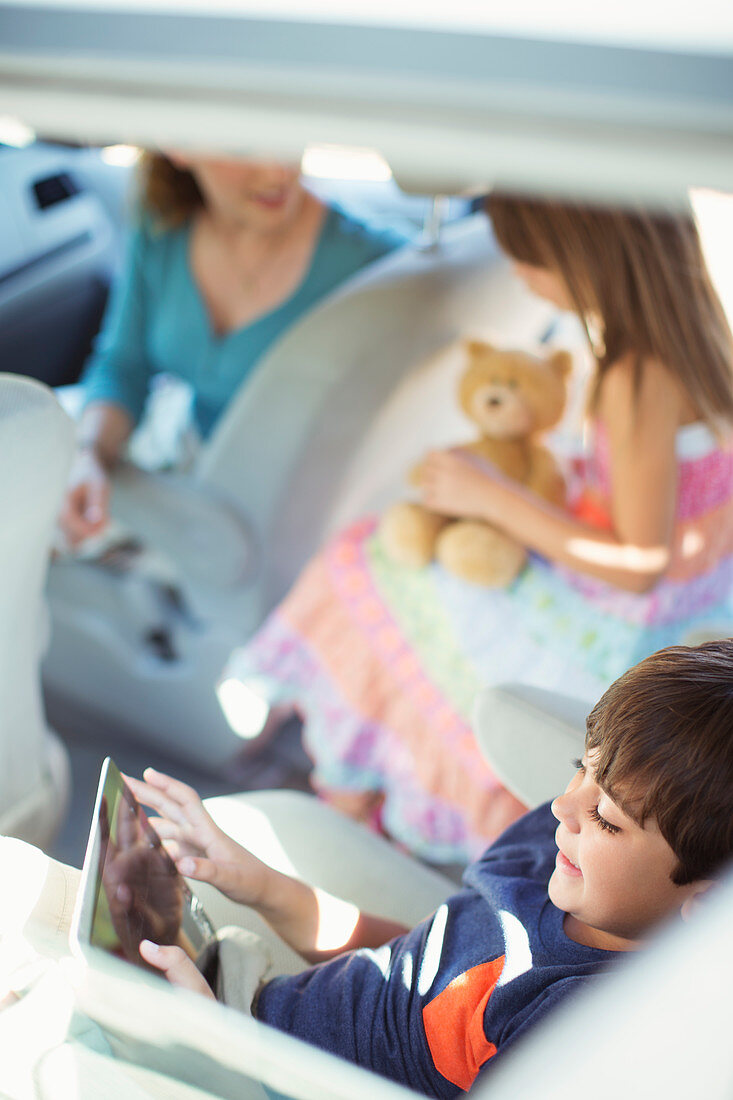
pixel 637 837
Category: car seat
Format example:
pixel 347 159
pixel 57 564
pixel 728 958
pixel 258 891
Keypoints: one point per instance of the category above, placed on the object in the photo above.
pixel 141 636
pixel 36 445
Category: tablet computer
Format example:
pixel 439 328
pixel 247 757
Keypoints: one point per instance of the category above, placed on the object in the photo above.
pixel 130 888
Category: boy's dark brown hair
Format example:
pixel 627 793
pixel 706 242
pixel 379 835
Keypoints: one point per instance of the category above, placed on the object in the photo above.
pixel 662 736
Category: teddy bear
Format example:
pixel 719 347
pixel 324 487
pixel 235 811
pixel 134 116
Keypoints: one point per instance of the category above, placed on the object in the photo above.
pixel 512 397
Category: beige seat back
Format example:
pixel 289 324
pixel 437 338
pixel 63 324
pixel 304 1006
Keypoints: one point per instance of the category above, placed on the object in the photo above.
pixel 531 736
pixel 36 444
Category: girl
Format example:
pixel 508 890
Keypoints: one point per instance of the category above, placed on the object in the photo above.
pixel 385 663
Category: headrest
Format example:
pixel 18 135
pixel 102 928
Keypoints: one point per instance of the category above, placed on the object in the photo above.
pixel 36 444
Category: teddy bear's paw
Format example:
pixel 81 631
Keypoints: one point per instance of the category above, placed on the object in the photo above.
pixel 408 533
pixel 477 553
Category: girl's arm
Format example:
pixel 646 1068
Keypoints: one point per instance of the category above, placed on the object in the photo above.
pixel 641 430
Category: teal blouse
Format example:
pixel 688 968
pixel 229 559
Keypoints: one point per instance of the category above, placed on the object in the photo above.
pixel 156 321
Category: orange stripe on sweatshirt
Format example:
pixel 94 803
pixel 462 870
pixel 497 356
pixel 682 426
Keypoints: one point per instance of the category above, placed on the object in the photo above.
pixel 454 1024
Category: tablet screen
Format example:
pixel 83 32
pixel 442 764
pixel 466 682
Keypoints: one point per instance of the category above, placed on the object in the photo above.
pixel 138 891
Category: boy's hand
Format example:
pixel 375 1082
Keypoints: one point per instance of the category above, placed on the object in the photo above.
pixel 315 924
pixel 177 967
pixel 200 849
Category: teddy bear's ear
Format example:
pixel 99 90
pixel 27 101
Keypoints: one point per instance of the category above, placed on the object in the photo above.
pixel 476 347
pixel 562 361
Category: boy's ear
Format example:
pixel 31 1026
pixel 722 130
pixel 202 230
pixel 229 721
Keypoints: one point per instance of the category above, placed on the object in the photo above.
pixel 698 891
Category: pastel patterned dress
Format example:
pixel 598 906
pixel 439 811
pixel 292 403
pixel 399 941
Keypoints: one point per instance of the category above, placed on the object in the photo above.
pixel 384 663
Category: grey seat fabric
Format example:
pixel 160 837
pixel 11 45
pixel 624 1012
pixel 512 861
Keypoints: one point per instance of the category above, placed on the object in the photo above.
pixel 304 837
pixel 530 736
pixel 36 445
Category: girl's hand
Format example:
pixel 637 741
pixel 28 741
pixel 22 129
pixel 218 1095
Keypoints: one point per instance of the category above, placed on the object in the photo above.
pixel 456 483
pixel 200 849
pixel 177 967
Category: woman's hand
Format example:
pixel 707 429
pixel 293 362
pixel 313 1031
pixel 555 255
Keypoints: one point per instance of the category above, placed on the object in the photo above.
pixel 200 849
pixel 85 511
pixel 177 967
pixel 457 483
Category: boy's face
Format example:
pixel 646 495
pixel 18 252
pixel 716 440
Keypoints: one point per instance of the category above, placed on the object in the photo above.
pixel 612 877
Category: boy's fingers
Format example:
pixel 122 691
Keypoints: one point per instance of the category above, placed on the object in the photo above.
pixel 173 848
pixel 180 801
pixel 166 830
pixel 173 787
pixel 204 870
pixel 224 876
pixel 176 965
pixel 150 796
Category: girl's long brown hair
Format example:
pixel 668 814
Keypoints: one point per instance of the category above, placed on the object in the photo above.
pixel 168 193
pixel 643 275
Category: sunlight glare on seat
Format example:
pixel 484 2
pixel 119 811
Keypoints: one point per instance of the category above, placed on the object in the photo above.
pixel 121 156
pixel 253 829
pixel 16 133
pixel 62 1065
pixel 27 868
pixel 714 216
pixel 337 920
pixel 344 162
pixel 244 708
pixel 30 1031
